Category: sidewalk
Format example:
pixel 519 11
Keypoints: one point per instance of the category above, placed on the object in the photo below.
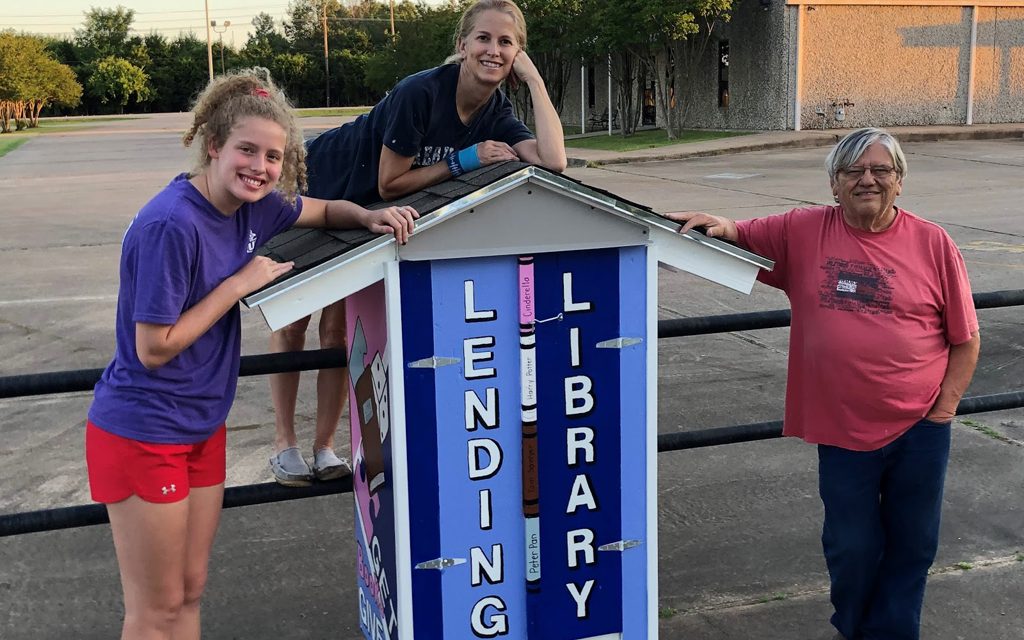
pixel 786 140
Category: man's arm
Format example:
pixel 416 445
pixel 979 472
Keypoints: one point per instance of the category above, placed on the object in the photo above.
pixel 963 358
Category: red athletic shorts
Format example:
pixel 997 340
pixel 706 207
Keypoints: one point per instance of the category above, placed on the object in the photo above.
pixel 121 467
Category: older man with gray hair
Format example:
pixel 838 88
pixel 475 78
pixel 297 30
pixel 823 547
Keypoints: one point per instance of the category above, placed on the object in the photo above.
pixel 883 344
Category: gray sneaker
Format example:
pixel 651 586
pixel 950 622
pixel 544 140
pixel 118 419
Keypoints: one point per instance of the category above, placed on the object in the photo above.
pixel 291 469
pixel 328 466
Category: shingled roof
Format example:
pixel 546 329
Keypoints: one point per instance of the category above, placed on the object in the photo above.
pixel 318 254
pixel 311 247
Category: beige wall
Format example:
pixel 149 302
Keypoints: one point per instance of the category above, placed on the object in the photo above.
pixel 999 66
pixel 898 65
pixel 910 65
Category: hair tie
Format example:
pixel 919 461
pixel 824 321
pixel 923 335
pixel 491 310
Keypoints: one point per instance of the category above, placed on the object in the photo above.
pixel 260 92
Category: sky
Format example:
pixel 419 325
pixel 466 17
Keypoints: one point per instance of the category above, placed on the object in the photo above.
pixel 60 18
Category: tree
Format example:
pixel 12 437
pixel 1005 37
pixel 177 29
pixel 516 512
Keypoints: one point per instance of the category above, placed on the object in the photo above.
pixel 420 45
pixel 686 54
pixel 650 40
pixel 30 79
pixel 55 83
pixel 117 80
pixel 177 71
pixel 555 53
pixel 264 42
pixel 301 77
pixel 105 32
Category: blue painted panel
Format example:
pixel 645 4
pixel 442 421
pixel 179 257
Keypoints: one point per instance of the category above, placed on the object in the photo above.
pixel 495 534
pixel 633 406
pixel 589 489
pixel 445 501
pixel 421 440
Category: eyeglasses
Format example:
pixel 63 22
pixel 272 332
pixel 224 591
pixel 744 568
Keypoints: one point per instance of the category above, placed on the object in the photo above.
pixel 878 172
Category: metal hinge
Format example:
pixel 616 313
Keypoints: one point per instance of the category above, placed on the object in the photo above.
pixel 440 563
pixel 433 362
pixel 621 545
pixel 619 343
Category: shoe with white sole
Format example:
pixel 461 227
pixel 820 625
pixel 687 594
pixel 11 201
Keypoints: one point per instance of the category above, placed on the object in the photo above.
pixel 291 469
pixel 328 466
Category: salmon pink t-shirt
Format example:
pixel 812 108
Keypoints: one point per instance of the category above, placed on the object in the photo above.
pixel 874 315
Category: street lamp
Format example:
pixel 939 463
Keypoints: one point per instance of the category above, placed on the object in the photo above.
pixel 220 35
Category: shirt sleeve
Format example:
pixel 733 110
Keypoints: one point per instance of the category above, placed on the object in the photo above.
pixel 408 118
pixel 768 237
pixel 959 317
pixel 162 260
pixel 277 215
pixel 507 127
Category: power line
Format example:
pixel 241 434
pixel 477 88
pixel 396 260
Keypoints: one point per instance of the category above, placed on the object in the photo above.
pixel 140 13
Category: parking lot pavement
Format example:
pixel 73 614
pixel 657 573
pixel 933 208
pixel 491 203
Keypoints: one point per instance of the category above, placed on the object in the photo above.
pixel 738 526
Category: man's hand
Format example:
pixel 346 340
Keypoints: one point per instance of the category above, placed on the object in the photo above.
pixel 714 226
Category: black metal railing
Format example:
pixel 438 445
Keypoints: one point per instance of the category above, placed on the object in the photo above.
pixel 85 379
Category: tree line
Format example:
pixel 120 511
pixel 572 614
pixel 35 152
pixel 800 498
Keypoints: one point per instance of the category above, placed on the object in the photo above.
pixel 106 68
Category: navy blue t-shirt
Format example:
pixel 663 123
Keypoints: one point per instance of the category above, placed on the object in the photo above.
pixel 417 119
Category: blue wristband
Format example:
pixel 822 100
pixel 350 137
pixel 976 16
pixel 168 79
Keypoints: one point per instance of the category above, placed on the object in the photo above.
pixel 453 164
pixel 469 159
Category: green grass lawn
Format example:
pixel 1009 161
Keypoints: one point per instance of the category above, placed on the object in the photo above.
pixel 70 120
pixel 332 111
pixel 10 142
pixel 648 139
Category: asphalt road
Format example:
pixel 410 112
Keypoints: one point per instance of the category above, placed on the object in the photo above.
pixel 739 525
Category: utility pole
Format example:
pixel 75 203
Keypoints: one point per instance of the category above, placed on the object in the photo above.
pixel 327 64
pixel 393 20
pixel 209 43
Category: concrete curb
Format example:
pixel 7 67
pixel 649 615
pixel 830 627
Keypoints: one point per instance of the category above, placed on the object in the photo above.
pixel 814 138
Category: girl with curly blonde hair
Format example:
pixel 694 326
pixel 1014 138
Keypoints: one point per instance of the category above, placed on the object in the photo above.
pixel 155 437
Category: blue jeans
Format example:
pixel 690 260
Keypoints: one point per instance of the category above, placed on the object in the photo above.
pixel 881 532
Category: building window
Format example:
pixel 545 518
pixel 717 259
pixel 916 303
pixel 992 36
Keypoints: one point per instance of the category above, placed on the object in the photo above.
pixel 591 88
pixel 723 74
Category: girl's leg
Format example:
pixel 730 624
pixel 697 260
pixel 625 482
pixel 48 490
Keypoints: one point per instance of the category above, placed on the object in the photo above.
pixel 150 540
pixel 204 506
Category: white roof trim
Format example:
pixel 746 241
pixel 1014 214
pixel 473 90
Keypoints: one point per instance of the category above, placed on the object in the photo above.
pixel 297 297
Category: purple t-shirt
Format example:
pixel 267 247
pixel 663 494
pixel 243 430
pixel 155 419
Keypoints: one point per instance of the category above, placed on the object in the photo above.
pixel 176 251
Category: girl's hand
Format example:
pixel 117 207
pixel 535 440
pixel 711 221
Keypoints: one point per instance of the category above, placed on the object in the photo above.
pixel 397 220
pixel 491 152
pixel 259 272
pixel 524 68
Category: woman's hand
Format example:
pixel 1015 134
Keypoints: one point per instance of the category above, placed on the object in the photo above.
pixel 548 149
pixel 492 152
pixel 397 220
pixel 524 68
pixel 714 226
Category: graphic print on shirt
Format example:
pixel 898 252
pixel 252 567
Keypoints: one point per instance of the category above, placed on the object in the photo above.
pixel 431 155
pixel 854 285
pixel 251 246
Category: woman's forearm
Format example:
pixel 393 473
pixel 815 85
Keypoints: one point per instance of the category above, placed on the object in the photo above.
pixel 550 139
